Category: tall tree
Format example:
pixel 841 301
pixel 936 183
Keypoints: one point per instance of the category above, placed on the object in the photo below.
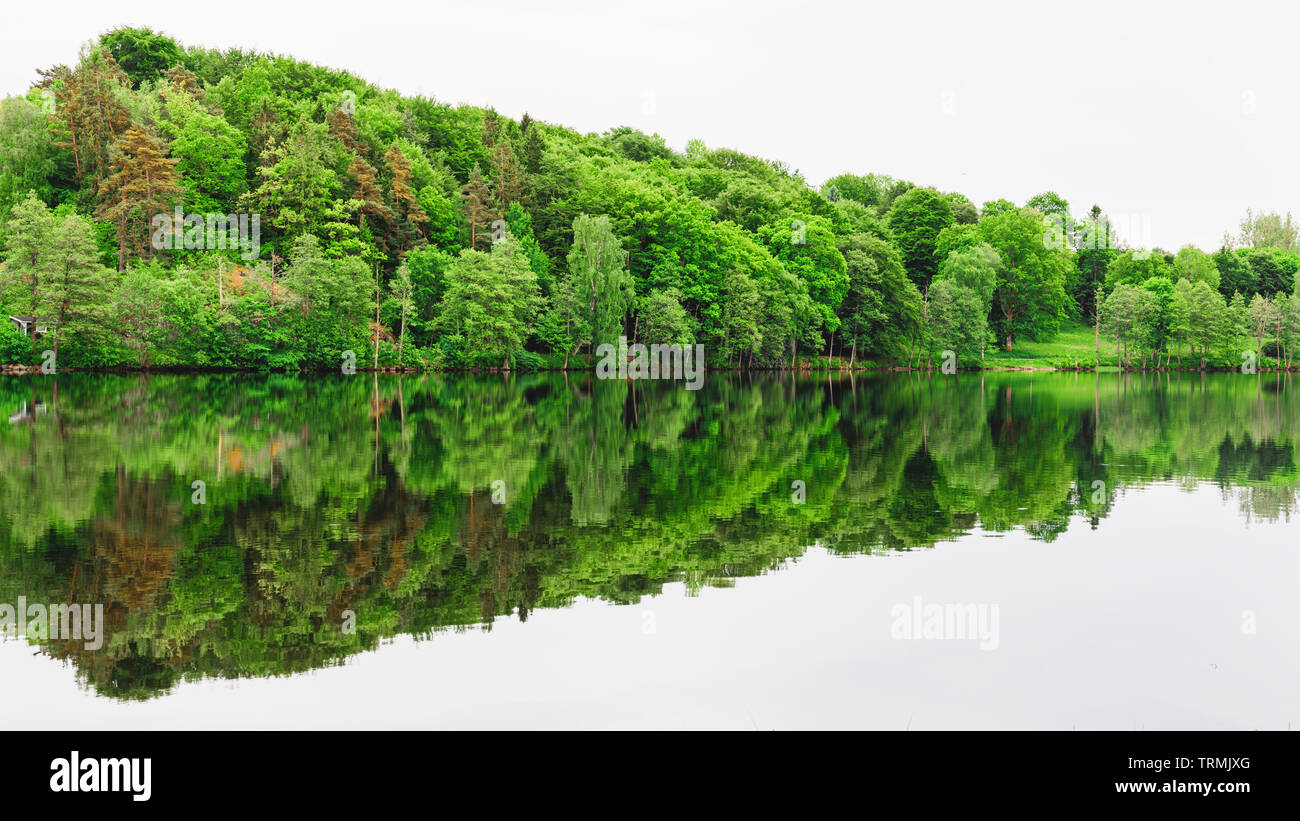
pixel 534 147
pixel 1050 204
pixel 27 155
pixel 408 212
pixel 209 156
pixel 28 234
pixel 142 53
pixel 74 287
pixel 89 117
pixel 1029 298
pixel 916 220
pixel 297 183
pixel 144 183
pixel 403 290
pixel 957 317
pixel 1195 265
pixel 881 311
pixel 507 179
pixel 975 269
pixel 1268 230
pixel 368 193
pixel 806 246
pixel 479 207
pixel 491 128
pixel 492 299
pixel 598 282
pixel 343 127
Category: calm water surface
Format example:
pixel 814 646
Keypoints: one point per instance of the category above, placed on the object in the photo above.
pixel 543 551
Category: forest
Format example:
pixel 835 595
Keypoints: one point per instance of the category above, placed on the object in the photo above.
pixel 178 207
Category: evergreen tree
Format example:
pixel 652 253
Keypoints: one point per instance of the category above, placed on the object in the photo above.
pixel 88 116
pixel 509 185
pixel 185 80
pixel 297 183
pixel 409 214
pixel 74 286
pixel 534 146
pixel 343 127
pixel 491 128
pixel 368 193
pixel 144 183
pixel 479 208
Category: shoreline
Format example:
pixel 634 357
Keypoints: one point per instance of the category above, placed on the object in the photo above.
pixel 35 370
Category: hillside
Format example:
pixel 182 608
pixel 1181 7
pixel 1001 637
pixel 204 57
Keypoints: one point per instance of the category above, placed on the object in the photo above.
pixel 173 206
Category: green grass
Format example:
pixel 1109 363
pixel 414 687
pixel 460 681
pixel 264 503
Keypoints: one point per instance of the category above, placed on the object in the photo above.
pixel 1075 343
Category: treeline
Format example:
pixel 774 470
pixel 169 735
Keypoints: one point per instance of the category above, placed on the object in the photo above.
pixel 416 233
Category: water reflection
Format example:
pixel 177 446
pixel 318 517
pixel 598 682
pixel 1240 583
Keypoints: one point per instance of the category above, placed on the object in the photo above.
pixel 337 513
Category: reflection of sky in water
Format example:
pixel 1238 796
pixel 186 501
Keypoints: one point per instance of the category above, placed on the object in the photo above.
pixel 1136 625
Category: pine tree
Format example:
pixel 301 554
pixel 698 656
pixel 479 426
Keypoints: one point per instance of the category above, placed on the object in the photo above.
pixel 185 80
pixel 368 193
pixel 534 148
pixel 508 181
pixel 491 127
pixel 74 285
pixel 88 117
pixel 343 127
pixel 407 207
pixel 297 182
pixel 479 210
pixel 143 184
pixel 264 131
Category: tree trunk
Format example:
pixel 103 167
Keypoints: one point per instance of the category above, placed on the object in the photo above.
pixel 570 352
pixel 1008 343
pixel 376 316
pixel 401 339
pixel 1096 334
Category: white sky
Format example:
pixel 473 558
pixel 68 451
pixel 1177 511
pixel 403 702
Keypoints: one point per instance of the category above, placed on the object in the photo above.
pixel 1174 117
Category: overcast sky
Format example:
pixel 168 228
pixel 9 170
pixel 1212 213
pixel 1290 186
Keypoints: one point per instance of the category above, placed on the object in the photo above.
pixel 1175 117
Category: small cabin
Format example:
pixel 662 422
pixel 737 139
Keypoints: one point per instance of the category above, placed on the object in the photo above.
pixel 30 326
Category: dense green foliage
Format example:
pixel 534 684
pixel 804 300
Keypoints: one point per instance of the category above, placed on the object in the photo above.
pixel 524 244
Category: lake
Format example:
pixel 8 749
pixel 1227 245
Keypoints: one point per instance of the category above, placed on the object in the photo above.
pixel 891 551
